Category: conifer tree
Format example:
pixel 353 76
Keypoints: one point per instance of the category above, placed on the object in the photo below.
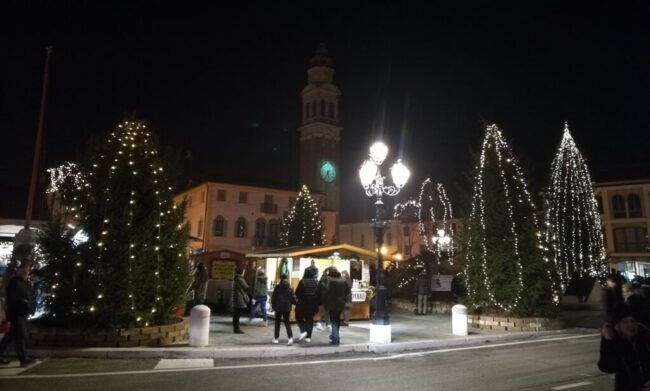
pixel 303 226
pixel 504 264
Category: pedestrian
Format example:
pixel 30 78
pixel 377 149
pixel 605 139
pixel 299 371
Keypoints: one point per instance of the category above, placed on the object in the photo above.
pixel 625 351
pixel 312 268
pixel 281 301
pixel 639 304
pixel 260 296
pixel 348 299
pixel 612 297
pixel 322 288
pixel 337 290
pixel 422 291
pixel 308 298
pixel 240 299
pixel 199 286
pixel 20 304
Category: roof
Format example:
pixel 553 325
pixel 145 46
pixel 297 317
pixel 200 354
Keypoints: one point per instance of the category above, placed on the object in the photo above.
pixel 314 251
pixel 622 183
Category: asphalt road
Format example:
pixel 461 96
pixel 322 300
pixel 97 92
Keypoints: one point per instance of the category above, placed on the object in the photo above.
pixel 565 362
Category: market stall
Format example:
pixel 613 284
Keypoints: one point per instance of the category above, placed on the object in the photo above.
pixel 294 260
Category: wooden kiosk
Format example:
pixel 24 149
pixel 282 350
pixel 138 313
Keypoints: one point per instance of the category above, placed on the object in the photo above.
pixel 294 260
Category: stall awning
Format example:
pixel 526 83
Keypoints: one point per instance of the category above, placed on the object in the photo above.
pixel 345 250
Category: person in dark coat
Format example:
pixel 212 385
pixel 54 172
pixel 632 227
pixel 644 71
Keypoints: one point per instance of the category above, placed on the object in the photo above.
pixel 322 287
pixel 20 304
pixel 308 298
pixel 639 304
pixel 239 299
pixel 625 351
pixel 199 286
pixel 281 301
pixel 612 297
pixel 337 291
pixel 422 291
pixel 312 268
pixel 348 299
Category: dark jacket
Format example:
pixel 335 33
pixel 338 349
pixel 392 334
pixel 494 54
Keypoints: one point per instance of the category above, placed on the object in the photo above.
pixel 612 299
pixel 308 296
pixel 629 360
pixel 20 298
pixel 640 307
pixel 239 289
pixel 422 286
pixel 337 291
pixel 283 297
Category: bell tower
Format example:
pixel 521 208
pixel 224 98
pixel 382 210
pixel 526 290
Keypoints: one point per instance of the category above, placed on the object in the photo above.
pixel 320 131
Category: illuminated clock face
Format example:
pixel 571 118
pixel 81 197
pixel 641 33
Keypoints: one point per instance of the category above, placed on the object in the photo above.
pixel 327 172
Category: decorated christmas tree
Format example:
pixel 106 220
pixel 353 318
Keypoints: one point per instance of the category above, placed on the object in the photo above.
pixel 130 268
pixel 303 226
pixel 572 222
pixel 505 269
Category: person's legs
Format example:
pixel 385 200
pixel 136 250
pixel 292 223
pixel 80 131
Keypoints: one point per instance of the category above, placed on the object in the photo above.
pixel 335 318
pixel 236 313
pixel 426 304
pixel 420 304
pixel 251 310
pixel 278 321
pixel 19 327
pixel 309 324
pixel 287 325
pixel 6 340
pixel 346 314
pixel 262 300
pixel 300 319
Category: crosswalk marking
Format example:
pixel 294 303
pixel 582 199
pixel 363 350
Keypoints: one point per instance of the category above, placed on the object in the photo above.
pixel 182 363
pixel 573 385
pixel 14 368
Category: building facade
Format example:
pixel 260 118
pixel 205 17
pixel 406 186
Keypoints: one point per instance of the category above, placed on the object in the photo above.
pixel 625 213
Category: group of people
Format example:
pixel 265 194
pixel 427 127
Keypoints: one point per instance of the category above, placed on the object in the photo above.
pixel 332 293
pixel 625 342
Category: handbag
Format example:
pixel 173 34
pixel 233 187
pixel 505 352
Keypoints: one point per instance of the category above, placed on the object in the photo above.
pixel 5 327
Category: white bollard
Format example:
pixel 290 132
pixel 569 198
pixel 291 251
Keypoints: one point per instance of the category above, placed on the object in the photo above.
pixel 459 320
pixel 199 326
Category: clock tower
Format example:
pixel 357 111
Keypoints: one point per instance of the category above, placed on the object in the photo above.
pixel 320 132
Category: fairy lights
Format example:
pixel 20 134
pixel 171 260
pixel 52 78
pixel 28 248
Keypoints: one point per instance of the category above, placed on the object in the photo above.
pixel 572 222
pixel 303 226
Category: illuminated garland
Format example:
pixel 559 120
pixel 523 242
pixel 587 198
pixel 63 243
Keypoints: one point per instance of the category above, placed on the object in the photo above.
pixel 478 258
pixel 572 222
pixel 303 226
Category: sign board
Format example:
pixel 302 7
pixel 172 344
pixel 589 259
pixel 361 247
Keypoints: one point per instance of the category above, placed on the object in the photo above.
pixel 223 270
pixel 358 296
pixel 441 283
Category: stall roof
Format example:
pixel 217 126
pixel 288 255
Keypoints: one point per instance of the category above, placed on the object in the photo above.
pixel 314 251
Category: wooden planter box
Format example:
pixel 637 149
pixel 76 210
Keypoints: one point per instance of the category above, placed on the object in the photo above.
pixel 497 323
pixel 122 338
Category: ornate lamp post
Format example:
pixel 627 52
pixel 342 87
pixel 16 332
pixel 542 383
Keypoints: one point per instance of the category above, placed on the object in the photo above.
pixel 373 183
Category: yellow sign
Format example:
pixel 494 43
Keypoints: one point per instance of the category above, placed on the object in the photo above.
pixel 223 270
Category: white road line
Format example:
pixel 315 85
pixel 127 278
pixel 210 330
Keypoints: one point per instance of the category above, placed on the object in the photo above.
pixel 573 385
pixel 184 363
pixel 14 368
pixel 298 363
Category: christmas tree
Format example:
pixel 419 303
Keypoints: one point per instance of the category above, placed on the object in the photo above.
pixel 572 222
pixel 131 268
pixel 504 264
pixel 303 226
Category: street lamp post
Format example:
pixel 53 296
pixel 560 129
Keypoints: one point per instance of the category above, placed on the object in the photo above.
pixel 373 184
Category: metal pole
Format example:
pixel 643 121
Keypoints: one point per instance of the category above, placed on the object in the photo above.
pixel 39 141
pixel 380 316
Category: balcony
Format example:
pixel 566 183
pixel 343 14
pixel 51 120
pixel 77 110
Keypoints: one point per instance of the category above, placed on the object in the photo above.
pixel 269 208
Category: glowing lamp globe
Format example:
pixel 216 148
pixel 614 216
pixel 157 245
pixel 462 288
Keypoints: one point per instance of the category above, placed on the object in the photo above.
pixel 400 174
pixel 367 173
pixel 378 152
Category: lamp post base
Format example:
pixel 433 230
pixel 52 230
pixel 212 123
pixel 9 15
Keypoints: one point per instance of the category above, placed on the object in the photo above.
pixel 380 333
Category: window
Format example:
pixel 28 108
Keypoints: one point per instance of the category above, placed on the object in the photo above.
pixel 599 202
pixel 331 110
pixel 243 197
pixel 322 108
pixel 203 197
pixel 260 228
pixel 221 195
pixel 268 199
pixel 618 205
pixel 407 250
pixel 634 205
pixel 406 230
pixel 219 226
pixel 363 241
pixel 389 239
pixel 274 233
pixel 199 230
pixel 630 240
pixel 241 228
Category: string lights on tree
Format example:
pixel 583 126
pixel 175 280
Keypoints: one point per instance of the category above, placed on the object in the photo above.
pixel 304 225
pixel 503 253
pixel 572 223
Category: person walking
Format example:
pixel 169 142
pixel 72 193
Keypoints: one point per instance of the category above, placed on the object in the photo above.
pixel 422 291
pixel 335 295
pixel 260 296
pixel 199 286
pixel 625 351
pixel 322 288
pixel 348 299
pixel 239 299
pixel 20 304
pixel 308 297
pixel 281 301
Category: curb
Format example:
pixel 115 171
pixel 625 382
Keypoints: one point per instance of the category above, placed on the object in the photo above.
pixel 293 351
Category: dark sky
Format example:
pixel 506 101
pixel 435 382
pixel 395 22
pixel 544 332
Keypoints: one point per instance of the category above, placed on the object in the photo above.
pixel 222 81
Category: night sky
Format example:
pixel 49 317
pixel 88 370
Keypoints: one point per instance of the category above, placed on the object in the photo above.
pixel 220 82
